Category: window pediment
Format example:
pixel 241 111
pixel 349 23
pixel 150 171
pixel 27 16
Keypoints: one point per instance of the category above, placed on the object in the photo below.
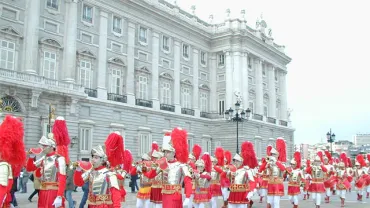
pixel 204 87
pixel 86 52
pixel 117 60
pixel 143 69
pixel 50 42
pixel 186 82
pixel 166 75
pixel 11 31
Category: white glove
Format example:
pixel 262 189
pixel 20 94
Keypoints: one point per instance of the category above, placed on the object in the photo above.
pixel 249 195
pixel 186 202
pixel 57 202
pixel 78 169
pixel 32 155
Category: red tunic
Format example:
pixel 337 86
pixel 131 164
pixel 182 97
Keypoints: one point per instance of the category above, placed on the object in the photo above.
pixel 275 185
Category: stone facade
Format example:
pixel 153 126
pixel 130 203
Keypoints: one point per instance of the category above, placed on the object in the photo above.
pixel 142 68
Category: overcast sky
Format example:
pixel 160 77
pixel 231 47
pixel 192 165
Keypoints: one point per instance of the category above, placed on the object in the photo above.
pixel 328 79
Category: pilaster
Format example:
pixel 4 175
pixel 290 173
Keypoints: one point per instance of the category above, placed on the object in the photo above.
pixel 130 79
pixel 177 92
pixel 272 91
pixel 229 81
pixel 213 78
pixel 155 75
pixel 31 40
pixel 244 80
pixel 237 75
pixel 102 65
pixel 284 105
pixel 259 87
pixel 196 83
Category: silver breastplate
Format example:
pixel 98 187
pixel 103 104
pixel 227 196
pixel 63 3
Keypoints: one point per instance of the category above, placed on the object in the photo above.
pixel 276 172
pixel 98 181
pixel 240 176
pixel 295 176
pixel 173 174
pixel 202 182
pixel 215 175
pixel 340 173
pixel 49 169
pixel 317 172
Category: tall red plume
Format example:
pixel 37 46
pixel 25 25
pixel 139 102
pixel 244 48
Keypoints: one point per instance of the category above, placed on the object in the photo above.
pixel 368 157
pixel 197 150
pixel 179 139
pixel 228 157
pixel 349 161
pixel 61 137
pixel 320 154
pixel 281 148
pixel 127 161
pixel 16 170
pixel 219 154
pixel 207 163
pixel 155 146
pixel 249 155
pixel 114 149
pixel 328 155
pixel 360 159
pixel 343 158
pixel 297 158
pixel 268 150
pixel 11 141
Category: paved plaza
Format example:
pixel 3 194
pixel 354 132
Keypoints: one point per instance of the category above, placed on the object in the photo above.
pixel 131 200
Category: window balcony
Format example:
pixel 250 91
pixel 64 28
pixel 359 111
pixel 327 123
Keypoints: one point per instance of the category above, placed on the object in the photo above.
pixel 187 111
pixel 167 107
pixel 117 97
pixel 144 103
pixel 117 30
pixel 283 123
pixel 258 117
pixel 91 92
pixel 205 115
pixel 271 120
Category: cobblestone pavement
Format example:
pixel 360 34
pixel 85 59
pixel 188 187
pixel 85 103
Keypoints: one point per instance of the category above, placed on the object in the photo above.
pixel 131 201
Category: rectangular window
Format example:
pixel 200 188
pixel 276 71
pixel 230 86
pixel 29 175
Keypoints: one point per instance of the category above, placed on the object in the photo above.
pixel 185 51
pixel 186 98
pixel 166 93
pixel 143 87
pixel 277 113
pixel 203 102
pixel 263 70
pixel 203 76
pixel 50 63
pixel 207 145
pixel 221 77
pixel 7 55
pixel 203 58
pixel 87 13
pixel 52 4
pixel 190 144
pixel 116 81
pixel 166 43
pixel 251 107
pixel 143 35
pixel 85 138
pixel 9 13
pixel 145 143
pixel 117 25
pixel 221 107
pixel 221 60
pixel 85 74
pixel 265 111
pixel 249 63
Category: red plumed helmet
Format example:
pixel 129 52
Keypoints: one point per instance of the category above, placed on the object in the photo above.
pixel 320 154
pixel 155 146
pixel 349 162
pixel 268 150
pixel 219 154
pixel 114 149
pixel 297 158
pixel 228 157
pixel 281 148
pixel 328 155
pixel 343 158
pixel 249 155
pixel 207 162
pixel 127 161
pixel 61 137
pixel 179 140
pixel 360 159
pixel 11 141
pixel 197 150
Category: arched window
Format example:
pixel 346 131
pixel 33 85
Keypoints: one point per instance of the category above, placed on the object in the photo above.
pixel 9 104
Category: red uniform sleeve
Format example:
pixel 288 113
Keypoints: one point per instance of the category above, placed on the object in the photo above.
pixel 206 176
pixel 280 166
pixel 324 168
pixel 116 197
pixel 262 167
pixel 30 167
pixel 77 178
pixel 62 184
pixel 133 171
pixel 252 185
pixel 309 169
pixel 188 186
pixel 350 178
pixel 3 191
pixel 218 169
pixel 150 174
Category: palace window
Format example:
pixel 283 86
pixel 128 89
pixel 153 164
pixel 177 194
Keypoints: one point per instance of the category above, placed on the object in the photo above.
pixel 185 51
pixel 85 138
pixel 143 35
pixel 116 81
pixel 166 93
pixel 166 43
pixel 203 58
pixel 143 87
pixel 52 4
pixel 203 102
pixel 117 25
pixel 85 74
pixel 87 13
pixel 145 143
pixel 221 60
pixel 186 98
pixel 7 55
pixel 50 63
pixel 9 104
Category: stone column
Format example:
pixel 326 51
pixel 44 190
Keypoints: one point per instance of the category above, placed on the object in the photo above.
pixel 259 87
pixel 244 81
pixel 70 38
pixel 177 90
pixel 284 105
pixel 213 76
pixel 237 74
pixel 229 81
pixel 130 79
pixel 102 64
pixel 155 75
pixel 31 36
pixel 272 91
pixel 196 83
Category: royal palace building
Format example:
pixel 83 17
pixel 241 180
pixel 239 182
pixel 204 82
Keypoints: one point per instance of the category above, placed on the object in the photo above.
pixel 141 67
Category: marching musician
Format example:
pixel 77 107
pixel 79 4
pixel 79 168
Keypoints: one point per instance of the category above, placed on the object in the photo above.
pixel 202 178
pixel 156 191
pixel 295 179
pixel 143 195
pixel 329 181
pixel 342 178
pixel 217 165
pixel 225 181
pixel 264 175
pixel 360 175
pixel 317 171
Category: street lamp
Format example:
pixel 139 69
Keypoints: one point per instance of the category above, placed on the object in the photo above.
pixel 330 137
pixel 240 115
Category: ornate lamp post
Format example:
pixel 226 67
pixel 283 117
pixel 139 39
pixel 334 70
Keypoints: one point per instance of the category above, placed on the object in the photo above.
pixel 330 138
pixel 240 115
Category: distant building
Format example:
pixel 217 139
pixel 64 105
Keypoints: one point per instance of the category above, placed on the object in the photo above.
pixel 361 139
pixel 342 146
pixel 354 150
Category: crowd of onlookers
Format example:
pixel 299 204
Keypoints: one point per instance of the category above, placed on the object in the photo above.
pixel 20 186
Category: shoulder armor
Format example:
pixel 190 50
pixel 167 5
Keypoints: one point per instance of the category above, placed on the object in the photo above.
pixel 186 169
pixel 113 180
pixel 62 165
pixel 5 173
pixel 38 162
